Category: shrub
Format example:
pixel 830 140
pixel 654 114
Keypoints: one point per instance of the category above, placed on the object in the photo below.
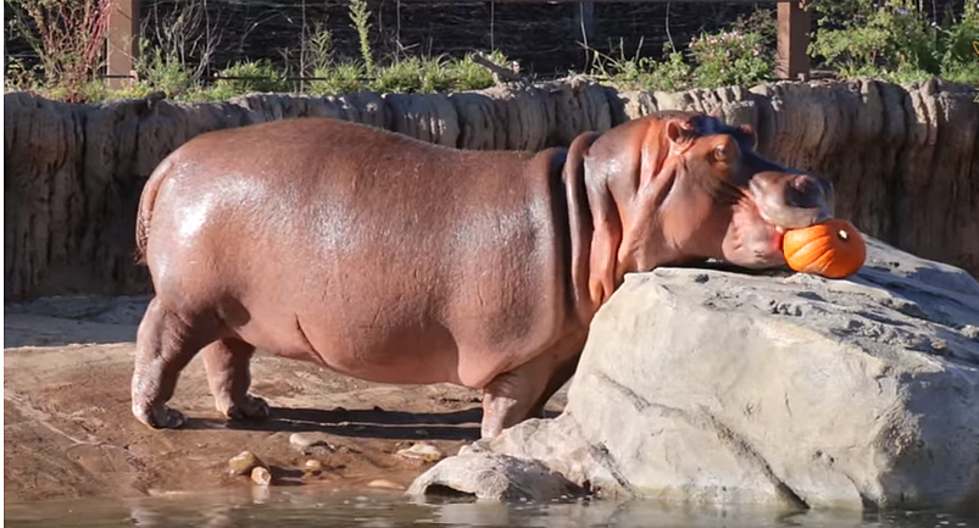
pixel 895 41
pixel 643 73
pixel 467 74
pixel 158 72
pixel 347 77
pixel 730 58
pixel 246 77
pixel 68 37
pixel 360 15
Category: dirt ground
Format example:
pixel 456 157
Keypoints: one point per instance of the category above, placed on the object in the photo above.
pixel 68 430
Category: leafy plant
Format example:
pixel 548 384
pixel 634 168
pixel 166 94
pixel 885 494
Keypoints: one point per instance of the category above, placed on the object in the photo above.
pixel 467 74
pixel 317 49
pixel 730 58
pixel 246 77
pixel 643 72
pixel 411 74
pixel 360 15
pixel 347 77
pixel 162 72
pixel 896 41
pixel 68 37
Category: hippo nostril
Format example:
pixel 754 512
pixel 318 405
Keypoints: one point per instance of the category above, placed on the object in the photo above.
pixel 805 192
pixel 790 201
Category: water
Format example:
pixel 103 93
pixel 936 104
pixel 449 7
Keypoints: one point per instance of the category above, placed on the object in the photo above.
pixel 295 507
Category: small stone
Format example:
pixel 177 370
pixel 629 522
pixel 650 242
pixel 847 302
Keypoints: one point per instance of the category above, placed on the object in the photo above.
pixel 422 451
pixel 261 476
pixel 243 463
pixel 310 443
pixel 313 465
pixel 385 484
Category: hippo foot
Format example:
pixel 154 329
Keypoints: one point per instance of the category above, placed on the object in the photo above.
pixel 253 408
pixel 161 417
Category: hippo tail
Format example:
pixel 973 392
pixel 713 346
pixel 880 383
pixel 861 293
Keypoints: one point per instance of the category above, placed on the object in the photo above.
pixel 145 212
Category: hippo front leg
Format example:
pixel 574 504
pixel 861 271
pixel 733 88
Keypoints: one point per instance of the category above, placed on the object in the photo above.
pixel 515 396
pixel 227 362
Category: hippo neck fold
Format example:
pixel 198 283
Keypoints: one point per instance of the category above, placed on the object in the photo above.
pixel 593 262
pixel 613 210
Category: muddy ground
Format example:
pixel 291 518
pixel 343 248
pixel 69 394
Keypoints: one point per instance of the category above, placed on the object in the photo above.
pixel 68 430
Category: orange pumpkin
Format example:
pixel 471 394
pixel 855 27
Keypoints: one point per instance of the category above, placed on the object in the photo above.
pixel 833 249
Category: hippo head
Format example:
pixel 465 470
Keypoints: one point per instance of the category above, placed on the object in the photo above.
pixel 678 187
pixel 718 198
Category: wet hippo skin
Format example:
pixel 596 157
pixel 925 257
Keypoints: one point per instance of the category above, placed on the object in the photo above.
pixel 397 261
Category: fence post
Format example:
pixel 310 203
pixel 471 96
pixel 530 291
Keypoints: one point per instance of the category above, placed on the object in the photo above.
pixel 793 40
pixel 121 42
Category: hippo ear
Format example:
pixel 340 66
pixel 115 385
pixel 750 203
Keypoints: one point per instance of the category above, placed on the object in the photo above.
pixel 747 133
pixel 675 132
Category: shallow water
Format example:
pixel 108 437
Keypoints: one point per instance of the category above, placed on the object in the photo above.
pixel 284 508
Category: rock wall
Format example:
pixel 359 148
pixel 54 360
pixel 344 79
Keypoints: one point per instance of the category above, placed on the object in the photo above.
pixel 904 158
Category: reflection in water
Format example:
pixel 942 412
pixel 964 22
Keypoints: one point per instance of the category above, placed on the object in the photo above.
pixel 297 507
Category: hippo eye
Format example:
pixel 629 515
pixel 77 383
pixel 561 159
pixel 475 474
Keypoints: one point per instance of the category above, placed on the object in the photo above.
pixel 721 153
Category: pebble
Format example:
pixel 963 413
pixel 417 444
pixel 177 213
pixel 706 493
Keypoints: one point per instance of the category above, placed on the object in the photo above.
pixel 261 476
pixel 313 465
pixel 385 484
pixel 243 463
pixel 422 451
pixel 309 443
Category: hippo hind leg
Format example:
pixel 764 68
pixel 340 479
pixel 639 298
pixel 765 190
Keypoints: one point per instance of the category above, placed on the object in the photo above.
pixel 227 363
pixel 165 344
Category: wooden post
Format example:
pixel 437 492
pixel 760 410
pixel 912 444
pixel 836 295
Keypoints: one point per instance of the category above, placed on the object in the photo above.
pixel 121 42
pixel 793 40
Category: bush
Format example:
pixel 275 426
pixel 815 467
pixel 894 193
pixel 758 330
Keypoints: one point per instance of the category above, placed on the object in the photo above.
pixel 68 37
pixel 247 77
pixel 642 73
pixel 466 74
pixel 342 78
pixel 895 41
pixel 730 58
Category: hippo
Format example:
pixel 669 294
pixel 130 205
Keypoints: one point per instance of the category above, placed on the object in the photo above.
pixel 397 261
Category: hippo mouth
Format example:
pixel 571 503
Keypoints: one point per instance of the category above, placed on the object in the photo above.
pixel 775 202
pixel 799 202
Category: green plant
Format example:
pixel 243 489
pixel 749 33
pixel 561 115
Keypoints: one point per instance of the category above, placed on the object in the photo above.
pixel 467 74
pixel 730 58
pixel 163 72
pixel 246 77
pixel 360 15
pixel 317 49
pixel 20 77
pixel 411 74
pixel 897 41
pixel 643 72
pixel 68 37
pixel 347 77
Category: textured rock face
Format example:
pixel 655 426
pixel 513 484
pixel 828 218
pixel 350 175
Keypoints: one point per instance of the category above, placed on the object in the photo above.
pixel 712 386
pixel 904 158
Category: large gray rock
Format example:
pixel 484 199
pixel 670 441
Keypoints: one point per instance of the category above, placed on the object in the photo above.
pixel 715 387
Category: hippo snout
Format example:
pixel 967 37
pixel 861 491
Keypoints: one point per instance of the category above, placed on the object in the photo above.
pixel 792 200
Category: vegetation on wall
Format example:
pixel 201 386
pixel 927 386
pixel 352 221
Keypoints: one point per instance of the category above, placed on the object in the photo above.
pixel 892 39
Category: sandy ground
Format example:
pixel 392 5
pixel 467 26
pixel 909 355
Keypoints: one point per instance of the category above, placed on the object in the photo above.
pixel 68 430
